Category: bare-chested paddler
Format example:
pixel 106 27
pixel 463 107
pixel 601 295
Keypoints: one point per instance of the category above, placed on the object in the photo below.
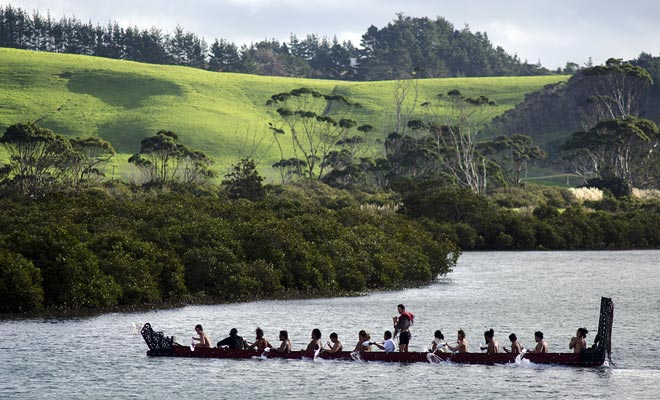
pixel 541 345
pixel 203 339
pixel 462 346
pixel 579 342
pixel 516 347
pixel 492 347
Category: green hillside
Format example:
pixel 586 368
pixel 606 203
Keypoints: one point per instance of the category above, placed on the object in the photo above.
pixel 219 113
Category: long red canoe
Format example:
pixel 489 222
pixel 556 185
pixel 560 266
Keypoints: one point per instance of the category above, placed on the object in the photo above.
pixel 163 346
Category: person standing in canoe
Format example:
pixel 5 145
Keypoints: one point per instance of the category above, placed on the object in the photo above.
pixel 203 339
pixel 402 324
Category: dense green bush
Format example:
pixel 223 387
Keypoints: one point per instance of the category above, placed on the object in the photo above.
pixel 20 283
pixel 119 247
pixel 474 222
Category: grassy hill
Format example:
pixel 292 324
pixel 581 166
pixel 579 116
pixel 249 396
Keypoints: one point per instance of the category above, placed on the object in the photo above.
pixel 221 114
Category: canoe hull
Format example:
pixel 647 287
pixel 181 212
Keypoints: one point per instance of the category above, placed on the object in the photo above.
pixel 568 359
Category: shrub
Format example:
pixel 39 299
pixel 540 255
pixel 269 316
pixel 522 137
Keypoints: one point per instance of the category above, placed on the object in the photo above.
pixel 20 283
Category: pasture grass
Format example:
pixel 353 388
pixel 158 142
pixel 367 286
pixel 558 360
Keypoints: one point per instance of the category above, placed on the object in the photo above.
pixel 222 114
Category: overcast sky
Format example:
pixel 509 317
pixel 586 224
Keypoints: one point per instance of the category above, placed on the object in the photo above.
pixel 553 32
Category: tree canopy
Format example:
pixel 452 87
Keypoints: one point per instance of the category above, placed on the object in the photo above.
pixel 406 47
pixel 163 159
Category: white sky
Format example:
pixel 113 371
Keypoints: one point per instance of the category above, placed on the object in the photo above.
pixel 553 32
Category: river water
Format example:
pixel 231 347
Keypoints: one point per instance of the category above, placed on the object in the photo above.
pixel 555 292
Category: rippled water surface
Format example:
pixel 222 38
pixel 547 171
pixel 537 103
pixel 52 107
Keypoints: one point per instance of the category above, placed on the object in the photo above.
pixel 555 292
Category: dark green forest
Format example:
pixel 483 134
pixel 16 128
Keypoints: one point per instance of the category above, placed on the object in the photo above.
pixel 119 246
pixel 406 47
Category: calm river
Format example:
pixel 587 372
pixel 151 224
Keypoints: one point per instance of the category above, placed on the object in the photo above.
pixel 555 292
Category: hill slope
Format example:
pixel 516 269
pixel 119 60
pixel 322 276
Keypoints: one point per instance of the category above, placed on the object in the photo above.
pixel 219 113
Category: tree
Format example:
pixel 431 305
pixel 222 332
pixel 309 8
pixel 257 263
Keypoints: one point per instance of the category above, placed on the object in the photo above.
pixel 403 109
pixel 38 157
pixel 89 153
pixel 186 48
pixel 622 148
pixel 224 57
pixel 244 182
pixel 618 88
pixel 20 283
pixel 512 153
pixel 316 122
pixel 163 159
pixel 452 138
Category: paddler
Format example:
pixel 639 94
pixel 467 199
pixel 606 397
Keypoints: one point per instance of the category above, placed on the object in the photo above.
pixel 462 346
pixel 388 344
pixel 315 343
pixel 203 339
pixel 541 345
pixel 579 342
pixel 438 344
pixel 363 343
pixel 492 347
pixel 334 345
pixel 402 324
pixel 260 343
pixel 285 346
pixel 516 347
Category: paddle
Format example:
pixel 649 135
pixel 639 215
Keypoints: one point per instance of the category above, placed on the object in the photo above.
pixel 355 355
pixel 317 352
pixel 434 358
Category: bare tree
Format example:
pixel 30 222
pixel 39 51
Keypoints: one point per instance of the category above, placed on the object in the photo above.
pixel 403 110
pixel 618 89
pixel 453 136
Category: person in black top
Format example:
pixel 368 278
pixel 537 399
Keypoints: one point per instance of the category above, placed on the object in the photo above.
pixel 233 341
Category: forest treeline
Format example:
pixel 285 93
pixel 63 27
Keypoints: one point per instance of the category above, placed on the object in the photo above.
pixel 406 47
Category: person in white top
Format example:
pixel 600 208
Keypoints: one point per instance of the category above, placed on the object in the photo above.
pixel 438 344
pixel 388 345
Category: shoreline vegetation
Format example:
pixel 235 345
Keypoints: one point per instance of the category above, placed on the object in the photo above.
pixel 124 248
pixel 111 248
